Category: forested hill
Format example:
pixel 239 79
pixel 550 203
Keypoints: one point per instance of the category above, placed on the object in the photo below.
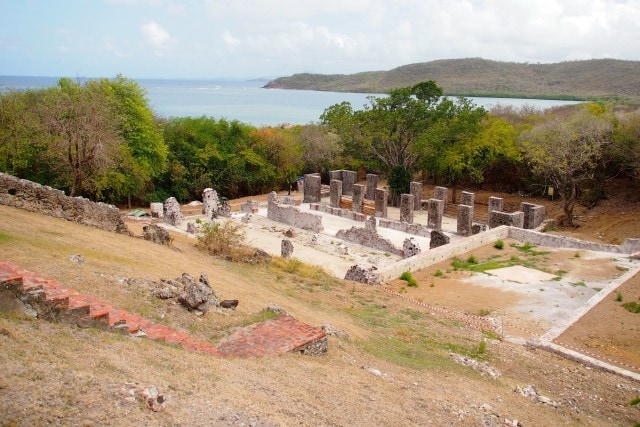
pixel 594 78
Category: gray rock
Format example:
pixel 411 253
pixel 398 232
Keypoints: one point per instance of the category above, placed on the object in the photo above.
pixel 156 234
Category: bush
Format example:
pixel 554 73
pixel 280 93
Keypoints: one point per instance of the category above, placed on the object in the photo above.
pixel 225 239
pixel 499 244
pixel 619 296
pixel 633 306
pixel 438 273
pixel 408 277
pixel 472 260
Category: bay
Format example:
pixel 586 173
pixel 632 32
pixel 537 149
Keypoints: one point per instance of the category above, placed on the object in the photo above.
pixel 248 102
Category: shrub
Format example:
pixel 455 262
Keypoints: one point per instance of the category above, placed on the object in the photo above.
pixel 499 244
pixel 408 277
pixel 472 260
pixel 438 273
pixel 225 239
pixel 633 306
pixel 619 296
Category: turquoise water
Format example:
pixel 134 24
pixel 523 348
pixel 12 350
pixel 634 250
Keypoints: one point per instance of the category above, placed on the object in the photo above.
pixel 247 101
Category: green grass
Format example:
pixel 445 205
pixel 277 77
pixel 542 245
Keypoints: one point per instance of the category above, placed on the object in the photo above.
pixel 438 273
pixel 491 264
pixel 528 248
pixel 499 244
pixel 581 283
pixel 634 401
pixel 4 237
pixel 632 306
pixel 619 296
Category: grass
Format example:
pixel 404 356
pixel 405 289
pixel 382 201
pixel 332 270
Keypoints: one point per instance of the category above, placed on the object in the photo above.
pixel 632 306
pixel 619 296
pixel 581 283
pixel 634 401
pixel 490 264
pixel 528 248
pixel 438 273
pixel 499 244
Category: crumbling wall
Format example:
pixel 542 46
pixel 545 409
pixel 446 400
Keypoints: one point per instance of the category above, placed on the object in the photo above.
pixel 513 219
pixel 312 188
pixel 291 215
pixel 45 200
pixel 344 213
pixel 533 215
pixel 415 228
pixel 369 237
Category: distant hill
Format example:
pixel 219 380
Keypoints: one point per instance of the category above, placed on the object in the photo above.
pixel 595 78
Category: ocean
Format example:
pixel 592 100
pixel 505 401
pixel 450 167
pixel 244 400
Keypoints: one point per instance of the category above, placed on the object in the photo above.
pixel 247 101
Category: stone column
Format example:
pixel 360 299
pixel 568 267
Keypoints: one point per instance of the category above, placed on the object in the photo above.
pixel 336 193
pixel 440 193
pixel 358 198
pixel 415 188
pixel 467 198
pixel 349 178
pixel 435 211
pixel 312 186
pixel 210 202
pixel 496 204
pixel 286 248
pixel 406 208
pixel 465 220
pixel 381 202
pixel 335 175
pixel 157 210
pixel 372 184
pixel 533 215
pixel 172 213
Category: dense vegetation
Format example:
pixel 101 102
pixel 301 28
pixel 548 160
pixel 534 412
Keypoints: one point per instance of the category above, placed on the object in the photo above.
pixel 101 140
pixel 581 80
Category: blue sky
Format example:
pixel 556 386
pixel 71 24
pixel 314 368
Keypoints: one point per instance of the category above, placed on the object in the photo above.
pixel 270 38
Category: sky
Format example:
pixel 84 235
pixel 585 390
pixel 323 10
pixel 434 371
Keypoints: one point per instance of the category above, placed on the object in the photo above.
pixel 210 39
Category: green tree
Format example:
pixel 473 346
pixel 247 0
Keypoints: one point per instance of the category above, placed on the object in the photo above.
pixel 399 182
pixel 568 151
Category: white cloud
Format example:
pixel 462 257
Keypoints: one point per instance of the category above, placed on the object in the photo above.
pixel 156 36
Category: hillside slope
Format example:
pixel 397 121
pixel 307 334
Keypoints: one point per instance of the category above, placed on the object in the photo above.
pixel 394 368
pixel 481 77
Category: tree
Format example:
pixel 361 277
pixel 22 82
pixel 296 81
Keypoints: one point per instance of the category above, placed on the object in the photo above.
pixel 321 151
pixel 282 150
pixel 568 151
pixel 399 182
pixel 82 132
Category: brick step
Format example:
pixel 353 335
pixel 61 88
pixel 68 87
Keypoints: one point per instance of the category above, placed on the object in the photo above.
pixel 281 335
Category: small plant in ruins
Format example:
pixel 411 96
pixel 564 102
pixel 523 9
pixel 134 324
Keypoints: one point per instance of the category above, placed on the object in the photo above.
pixel 224 239
pixel 499 244
pixel 408 277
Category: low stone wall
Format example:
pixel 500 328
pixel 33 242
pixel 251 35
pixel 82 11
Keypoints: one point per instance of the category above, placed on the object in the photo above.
pixel 344 213
pixel 368 236
pixel 415 228
pixel 45 200
pixel 291 215
pixel 552 241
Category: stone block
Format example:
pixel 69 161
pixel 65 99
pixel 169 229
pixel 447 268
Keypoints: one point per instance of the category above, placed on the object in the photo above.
pixel 440 193
pixel 312 188
pixel 513 219
pixel 435 211
pixel 358 198
pixel 467 198
pixel 286 248
pixel 406 208
pixel 381 202
pixel 172 213
pixel 361 274
pixel 533 215
pixel 496 204
pixel 349 178
pixel 210 202
pixel 372 184
pixel 157 210
pixel 415 188
pixel 465 220
pixel 336 193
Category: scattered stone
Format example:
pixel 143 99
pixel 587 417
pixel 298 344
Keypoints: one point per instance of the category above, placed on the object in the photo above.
pixel 196 296
pixel 411 247
pixel 229 303
pixel 156 234
pixel 531 392
pixel 245 219
pixel 149 395
pixel 333 331
pixel 374 371
pixel 482 367
pixel 275 308
pixel 361 274
pixel 286 248
pixel 76 259
pixel 259 257
pixel 224 210
pixel 290 233
pixel 635 255
pixel 315 239
pixel 192 228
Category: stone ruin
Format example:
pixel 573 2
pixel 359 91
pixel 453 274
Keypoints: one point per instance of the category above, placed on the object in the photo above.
pixel 194 296
pixel 286 248
pixel 406 207
pixel 440 193
pixel 366 275
pixel 415 188
pixel 348 179
pixel 411 247
pixel 534 215
pixel 156 234
pixel 279 209
pixel 465 220
pixel 381 199
pixel 312 188
pixel 357 200
pixel 44 200
pixel 172 213
pixel 250 207
pixel 336 193
pixel 210 202
pixel 372 184
pixel 192 228
pixel 529 216
pixel 157 210
pixel 368 236
pixel 438 239
pixel 435 212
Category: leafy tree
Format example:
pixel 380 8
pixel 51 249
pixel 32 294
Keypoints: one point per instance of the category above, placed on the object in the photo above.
pixel 282 150
pixel 568 151
pixel 321 151
pixel 399 182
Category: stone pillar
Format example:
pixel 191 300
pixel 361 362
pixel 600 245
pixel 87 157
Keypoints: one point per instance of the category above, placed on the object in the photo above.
pixel 157 210
pixel 172 213
pixel 336 193
pixel 371 224
pixel 358 198
pixel 465 220
pixel 406 208
pixel 210 202
pixel 496 204
pixel 372 184
pixel 349 178
pixel 435 211
pixel 381 202
pixel 286 248
pixel 533 215
pixel 415 188
pixel 440 193
pixel 467 198
pixel 337 175
pixel 312 186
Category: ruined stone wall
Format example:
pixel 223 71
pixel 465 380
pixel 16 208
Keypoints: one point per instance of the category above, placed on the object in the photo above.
pixel 45 200
pixel 312 188
pixel 341 212
pixel 291 215
pixel 533 215
pixel 552 241
pixel 514 219
pixel 368 236
pixel 416 229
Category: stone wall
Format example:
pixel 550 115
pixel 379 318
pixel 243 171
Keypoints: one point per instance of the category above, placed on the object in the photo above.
pixel 416 229
pixel 372 184
pixel 348 178
pixel 513 219
pixel 341 212
pixel 45 200
pixel 533 215
pixel 291 215
pixel 629 246
pixel 368 236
